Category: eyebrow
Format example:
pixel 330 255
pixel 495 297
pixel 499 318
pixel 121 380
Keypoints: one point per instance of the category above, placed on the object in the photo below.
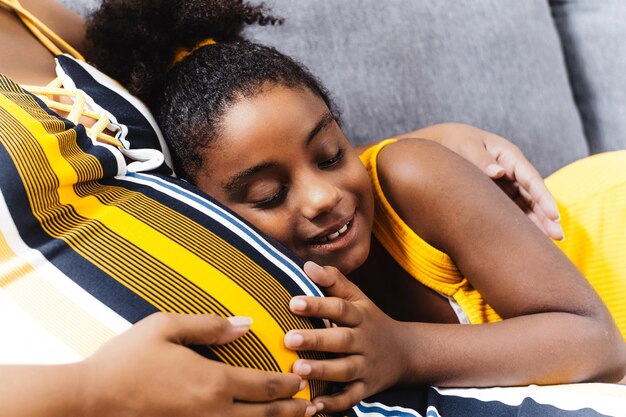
pixel 235 182
pixel 323 123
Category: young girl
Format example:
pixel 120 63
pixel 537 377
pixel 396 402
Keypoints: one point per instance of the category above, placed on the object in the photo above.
pixel 406 222
pixel 158 338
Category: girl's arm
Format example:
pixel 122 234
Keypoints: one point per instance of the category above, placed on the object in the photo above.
pixel 504 163
pixel 555 327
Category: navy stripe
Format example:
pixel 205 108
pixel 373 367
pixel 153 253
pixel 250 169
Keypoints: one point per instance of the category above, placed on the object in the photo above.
pixel 105 157
pixel 93 280
pixel 140 135
pixel 210 203
pixel 210 223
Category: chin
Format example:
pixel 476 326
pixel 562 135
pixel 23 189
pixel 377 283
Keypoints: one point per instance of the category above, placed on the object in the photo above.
pixel 353 260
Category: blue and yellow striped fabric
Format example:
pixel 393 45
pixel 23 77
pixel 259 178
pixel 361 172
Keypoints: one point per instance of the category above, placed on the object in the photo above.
pixel 87 249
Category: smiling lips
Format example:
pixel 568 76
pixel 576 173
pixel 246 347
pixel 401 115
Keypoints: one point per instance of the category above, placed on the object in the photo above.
pixel 334 235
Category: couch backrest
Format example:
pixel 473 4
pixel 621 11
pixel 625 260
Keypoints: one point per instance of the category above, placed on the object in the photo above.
pixel 593 34
pixel 397 65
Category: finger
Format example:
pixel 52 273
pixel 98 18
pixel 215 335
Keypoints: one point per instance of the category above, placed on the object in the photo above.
pixel 281 408
pixel 333 281
pixel 494 171
pixel 479 155
pixel 346 369
pixel 199 329
pixel 550 227
pixel 333 339
pixel 341 401
pixel 253 385
pixel 335 309
pixel 521 170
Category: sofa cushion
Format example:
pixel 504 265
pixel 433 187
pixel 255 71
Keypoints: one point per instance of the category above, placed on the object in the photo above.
pixel 593 34
pixel 398 65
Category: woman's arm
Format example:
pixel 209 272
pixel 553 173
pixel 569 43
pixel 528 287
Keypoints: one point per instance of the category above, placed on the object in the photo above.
pixel 149 371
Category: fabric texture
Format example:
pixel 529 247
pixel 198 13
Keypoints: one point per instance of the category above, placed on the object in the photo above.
pixel 399 65
pixel 591 195
pixel 593 34
pixel 88 248
pixel 428 265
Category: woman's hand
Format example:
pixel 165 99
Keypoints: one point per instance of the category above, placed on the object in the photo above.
pixel 504 163
pixel 362 333
pixel 149 371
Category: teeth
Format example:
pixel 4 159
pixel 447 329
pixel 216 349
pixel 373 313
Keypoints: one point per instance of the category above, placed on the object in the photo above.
pixel 335 235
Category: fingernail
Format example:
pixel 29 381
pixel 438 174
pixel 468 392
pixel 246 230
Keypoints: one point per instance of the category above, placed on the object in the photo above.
pixel 240 321
pixel 319 406
pixel 494 169
pixel 310 410
pixel 557 230
pixel 293 339
pixel 302 368
pixel 302 385
pixel 310 265
pixel 297 304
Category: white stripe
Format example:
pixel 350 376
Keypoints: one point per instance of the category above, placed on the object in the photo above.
pixel 609 399
pixel 231 223
pixel 85 301
pixel 109 83
pixel 388 411
pixel 25 341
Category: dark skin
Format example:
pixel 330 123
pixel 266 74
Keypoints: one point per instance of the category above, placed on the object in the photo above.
pixel 419 303
pixel 153 354
pixel 303 186
pixel 31 64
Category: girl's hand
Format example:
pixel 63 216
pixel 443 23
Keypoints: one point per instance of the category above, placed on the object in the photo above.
pixel 504 163
pixel 149 371
pixel 373 359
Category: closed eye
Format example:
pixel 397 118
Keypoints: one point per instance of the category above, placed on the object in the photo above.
pixel 329 163
pixel 272 200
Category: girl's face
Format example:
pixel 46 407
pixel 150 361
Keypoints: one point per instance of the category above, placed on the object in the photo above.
pixel 283 164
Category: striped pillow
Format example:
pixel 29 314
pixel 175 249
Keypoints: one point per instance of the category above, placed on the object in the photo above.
pixel 88 248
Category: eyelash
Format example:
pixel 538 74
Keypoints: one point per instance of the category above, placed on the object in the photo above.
pixel 266 203
pixel 271 200
pixel 334 160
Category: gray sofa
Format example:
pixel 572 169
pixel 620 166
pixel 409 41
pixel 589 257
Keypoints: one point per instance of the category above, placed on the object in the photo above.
pixel 547 75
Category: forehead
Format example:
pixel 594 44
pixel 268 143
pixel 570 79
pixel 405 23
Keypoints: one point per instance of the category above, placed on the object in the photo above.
pixel 276 114
pixel 268 129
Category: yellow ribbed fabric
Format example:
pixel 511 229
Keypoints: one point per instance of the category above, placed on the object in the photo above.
pixel 591 195
pixel 428 265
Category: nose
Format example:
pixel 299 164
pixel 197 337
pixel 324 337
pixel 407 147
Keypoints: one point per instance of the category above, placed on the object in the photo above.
pixel 319 196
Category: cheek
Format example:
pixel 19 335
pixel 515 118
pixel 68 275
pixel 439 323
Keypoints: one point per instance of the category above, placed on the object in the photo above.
pixel 272 224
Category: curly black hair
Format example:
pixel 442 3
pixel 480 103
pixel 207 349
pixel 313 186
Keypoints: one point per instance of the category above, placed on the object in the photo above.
pixel 135 42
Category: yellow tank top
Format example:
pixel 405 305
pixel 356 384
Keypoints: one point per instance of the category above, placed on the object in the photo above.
pixel 591 195
pixel 428 265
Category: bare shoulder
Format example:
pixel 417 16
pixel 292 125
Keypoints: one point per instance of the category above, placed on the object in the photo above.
pixel 459 210
pixel 427 184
